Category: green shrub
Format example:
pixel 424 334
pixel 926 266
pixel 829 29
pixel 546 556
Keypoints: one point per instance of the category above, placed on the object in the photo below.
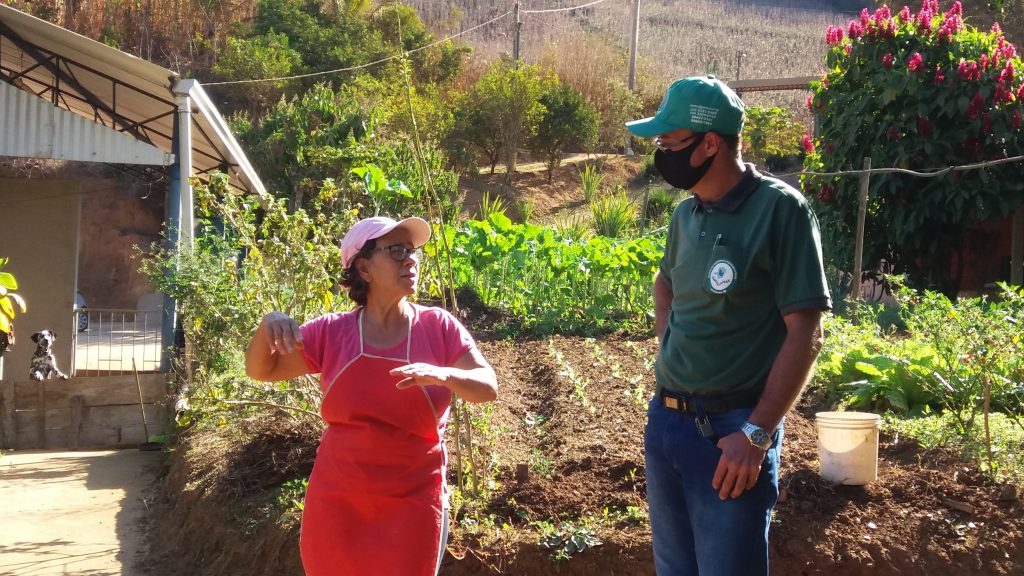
pixel 615 215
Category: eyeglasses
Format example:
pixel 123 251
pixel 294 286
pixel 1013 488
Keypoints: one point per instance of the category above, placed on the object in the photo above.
pixel 399 252
pixel 677 146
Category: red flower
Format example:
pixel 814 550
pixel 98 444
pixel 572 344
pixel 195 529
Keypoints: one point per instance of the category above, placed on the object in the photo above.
pixel 826 194
pixel 848 48
pixel 983 62
pixel 969 71
pixel 810 101
pixel 976 107
pixel 905 14
pixel 807 144
pixel 996 28
pixel 1005 50
pixel 1002 96
pixel 924 18
pixel 865 17
pixel 887 60
pixel 1006 75
pixel 924 126
pixel 939 77
pixel 855 29
pixel 833 35
pixel 916 63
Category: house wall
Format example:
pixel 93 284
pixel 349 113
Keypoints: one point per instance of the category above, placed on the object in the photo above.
pixel 39 234
pixel 118 218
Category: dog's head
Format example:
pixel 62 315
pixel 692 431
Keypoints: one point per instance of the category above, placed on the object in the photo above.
pixel 44 339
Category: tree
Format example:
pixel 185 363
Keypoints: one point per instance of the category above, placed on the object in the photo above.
pixel 770 131
pixel 266 56
pixel 501 111
pixel 916 91
pixel 306 141
pixel 568 122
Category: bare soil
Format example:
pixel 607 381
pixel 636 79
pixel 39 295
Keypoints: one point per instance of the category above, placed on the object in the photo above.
pixel 583 460
pixel 569 419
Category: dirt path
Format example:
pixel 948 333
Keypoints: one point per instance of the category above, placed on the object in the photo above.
pixel 82 513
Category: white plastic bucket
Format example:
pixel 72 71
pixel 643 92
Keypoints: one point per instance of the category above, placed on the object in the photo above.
pixel 848 446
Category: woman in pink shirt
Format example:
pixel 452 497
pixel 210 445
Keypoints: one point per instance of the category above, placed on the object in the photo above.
pixel 377 502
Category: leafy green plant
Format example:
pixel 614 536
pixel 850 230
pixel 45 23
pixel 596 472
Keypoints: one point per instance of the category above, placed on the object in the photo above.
pixel 249 258
pixel 10 301
pixel 550 280
pixel 615 215
pixel 590 182
pixel 525 208
pixel 568 540
pixel 660 203
pixel 918 91
pixel 491 205
pixel 381 190
pixel 770 131
pixel 565 370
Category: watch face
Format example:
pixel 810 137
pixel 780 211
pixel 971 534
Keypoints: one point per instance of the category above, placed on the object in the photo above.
pixel 760 437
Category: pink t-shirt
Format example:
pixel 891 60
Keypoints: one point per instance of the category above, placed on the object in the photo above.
pixel 331 342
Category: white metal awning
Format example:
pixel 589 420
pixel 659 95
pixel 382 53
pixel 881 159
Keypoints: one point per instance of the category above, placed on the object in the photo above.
pixel 34 128
pixel 117 90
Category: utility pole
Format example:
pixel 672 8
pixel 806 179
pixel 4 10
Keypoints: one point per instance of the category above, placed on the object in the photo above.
pixel 519 26
pixel 631 82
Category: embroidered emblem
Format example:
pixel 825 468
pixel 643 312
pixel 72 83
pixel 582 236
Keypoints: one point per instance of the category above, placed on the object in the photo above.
pixel 721 276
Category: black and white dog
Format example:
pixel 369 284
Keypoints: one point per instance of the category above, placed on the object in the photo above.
pixel 44 363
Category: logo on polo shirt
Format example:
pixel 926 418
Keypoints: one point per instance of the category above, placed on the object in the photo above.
pixel 721 276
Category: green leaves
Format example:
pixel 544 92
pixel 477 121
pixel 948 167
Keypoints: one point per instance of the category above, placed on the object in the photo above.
pixel 10 303
pixel 915 99
pixel 550 281
pixel 380 189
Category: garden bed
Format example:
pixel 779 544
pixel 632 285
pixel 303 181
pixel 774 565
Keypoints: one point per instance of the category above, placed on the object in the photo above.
pixel 928 513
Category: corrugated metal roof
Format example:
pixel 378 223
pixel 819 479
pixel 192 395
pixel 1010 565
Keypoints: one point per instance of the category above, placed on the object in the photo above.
pixel 116 89
pixel 34 128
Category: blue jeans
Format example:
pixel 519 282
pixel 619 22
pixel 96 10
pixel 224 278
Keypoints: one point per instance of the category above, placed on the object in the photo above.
pixel 694 532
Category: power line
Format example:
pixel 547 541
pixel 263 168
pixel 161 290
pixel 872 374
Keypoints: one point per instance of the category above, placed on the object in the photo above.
pixel 562 9
pixel 929 173
pixel 360 66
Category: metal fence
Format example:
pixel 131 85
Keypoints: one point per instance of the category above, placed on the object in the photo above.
pixel 108 339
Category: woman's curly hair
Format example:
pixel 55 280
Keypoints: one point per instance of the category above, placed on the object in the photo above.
pixel 350 278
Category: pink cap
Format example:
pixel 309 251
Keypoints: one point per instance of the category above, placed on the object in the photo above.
pixel 371 228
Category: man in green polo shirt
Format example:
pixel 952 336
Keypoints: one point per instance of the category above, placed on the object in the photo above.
pixel 738 303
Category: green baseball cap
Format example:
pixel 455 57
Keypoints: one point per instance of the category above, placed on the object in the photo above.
pixel 700 103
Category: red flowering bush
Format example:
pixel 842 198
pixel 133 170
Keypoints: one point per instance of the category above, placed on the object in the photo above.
pixel 916 91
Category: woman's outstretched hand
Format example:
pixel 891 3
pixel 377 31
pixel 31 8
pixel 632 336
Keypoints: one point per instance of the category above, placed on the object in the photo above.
pixel 421 374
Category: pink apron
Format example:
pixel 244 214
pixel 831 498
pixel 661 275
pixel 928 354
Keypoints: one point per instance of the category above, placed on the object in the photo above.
pixel 375 497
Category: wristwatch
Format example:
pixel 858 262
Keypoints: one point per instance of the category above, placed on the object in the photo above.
pixel 757 436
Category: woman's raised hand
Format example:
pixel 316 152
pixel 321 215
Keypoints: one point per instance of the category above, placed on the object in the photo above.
pixel 283 334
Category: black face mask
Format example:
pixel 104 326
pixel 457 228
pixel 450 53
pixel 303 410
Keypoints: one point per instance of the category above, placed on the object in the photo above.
pixel 674 166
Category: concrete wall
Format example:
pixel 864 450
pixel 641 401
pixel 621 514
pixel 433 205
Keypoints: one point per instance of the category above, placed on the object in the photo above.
pixel 93 412
pixel 39 234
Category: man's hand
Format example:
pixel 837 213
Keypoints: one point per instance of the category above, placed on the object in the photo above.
pixel 738 467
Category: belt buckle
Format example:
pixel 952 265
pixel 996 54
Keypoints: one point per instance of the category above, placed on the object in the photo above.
pixel 673 403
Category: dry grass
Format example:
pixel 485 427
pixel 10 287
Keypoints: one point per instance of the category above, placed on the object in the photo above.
pixel 783 39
